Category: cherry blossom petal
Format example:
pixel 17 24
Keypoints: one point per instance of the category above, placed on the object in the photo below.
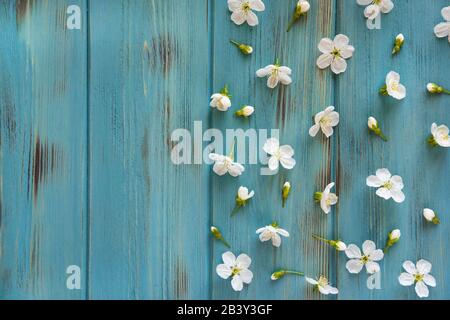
pixel 398 196
pixel 422 290
pixel 252 19
pixel 376 255
pixel 238 17
pixel 338 65
pixel 372 267
pixel 326 45
pixel 446 13
pixel 368 247
pixel 257 5
pixel 271 146
pixel 374 181
pixel 246 276
pixel 223 271
pixel 324 61
pixel 354 266
pixel 423 266
pixel 409 267
pixel 429 280
pixel 237 283
pixel 229 259
pixel 383 174
pixel 243 261
pixel 406 279
pixel 276 240
pixel 314 130
pixel 272 81
pixel 265 71
pixel 372 11
pixel 353 252
pixel 273 163
pixel 387 6
pixel 384 193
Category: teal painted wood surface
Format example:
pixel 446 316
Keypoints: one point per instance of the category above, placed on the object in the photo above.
pixel 86 176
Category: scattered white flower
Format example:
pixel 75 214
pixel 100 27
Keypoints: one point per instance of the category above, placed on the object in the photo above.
pixel 222 100
pixel 334 53
pixel 301 9
pixel 434 88
pixel 393 238
pixel 439 136
pixel 430 216
pixel 326 198
pixel 281 273
pixel 374 7
pixel 393 87
pixel 358 261
pixel 243 11
pixel 279 154
pixel 398 43
pixel 244 48
pixel 245 111
pixel 418 274
pixel 218 235
pixel 388 186
pixel 322 285
pixel 276 73
pixel 243 196
pixel 337 244
pixel 273 233
pixel 374 127
pixel 325 120
pixel 236 268
pixel 225 164
pixel 442 30
pixel 285 192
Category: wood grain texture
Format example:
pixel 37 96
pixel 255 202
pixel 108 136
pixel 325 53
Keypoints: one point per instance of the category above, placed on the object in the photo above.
pixel 43 113
pixel 86 176
pixel 149 76
pixel 289 109
pixel 425 171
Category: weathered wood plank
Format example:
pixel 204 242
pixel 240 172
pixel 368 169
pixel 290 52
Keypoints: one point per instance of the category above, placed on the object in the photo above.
pixel 149 76
pixel 425 171
pixel 289 109
pixel 42 150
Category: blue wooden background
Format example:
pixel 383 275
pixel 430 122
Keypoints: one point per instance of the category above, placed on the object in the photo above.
pixel 85 172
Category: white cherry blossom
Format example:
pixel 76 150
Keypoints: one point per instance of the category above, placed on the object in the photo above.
pixel 442 30
pixel 242 11
pixel 325 120
pixel 322 285
pixel 279 154
pixel 334 53
pixel 388 186
pixel 236 268
pixel 374 7
pixel 276 74
pixel 272 232
pixel 418 274
pixel 368 258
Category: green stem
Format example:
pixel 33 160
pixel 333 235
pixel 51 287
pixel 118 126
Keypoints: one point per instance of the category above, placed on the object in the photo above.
pixel 235 210
pixel 225 242
pixel 446 91
pixel 237 44
pixel 297 273
pixel 320 238
pixel 382 136
pixel 284 202
pixel 291 24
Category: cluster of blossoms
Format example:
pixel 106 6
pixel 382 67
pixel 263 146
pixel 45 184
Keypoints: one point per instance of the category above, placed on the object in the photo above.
pixel 334 53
